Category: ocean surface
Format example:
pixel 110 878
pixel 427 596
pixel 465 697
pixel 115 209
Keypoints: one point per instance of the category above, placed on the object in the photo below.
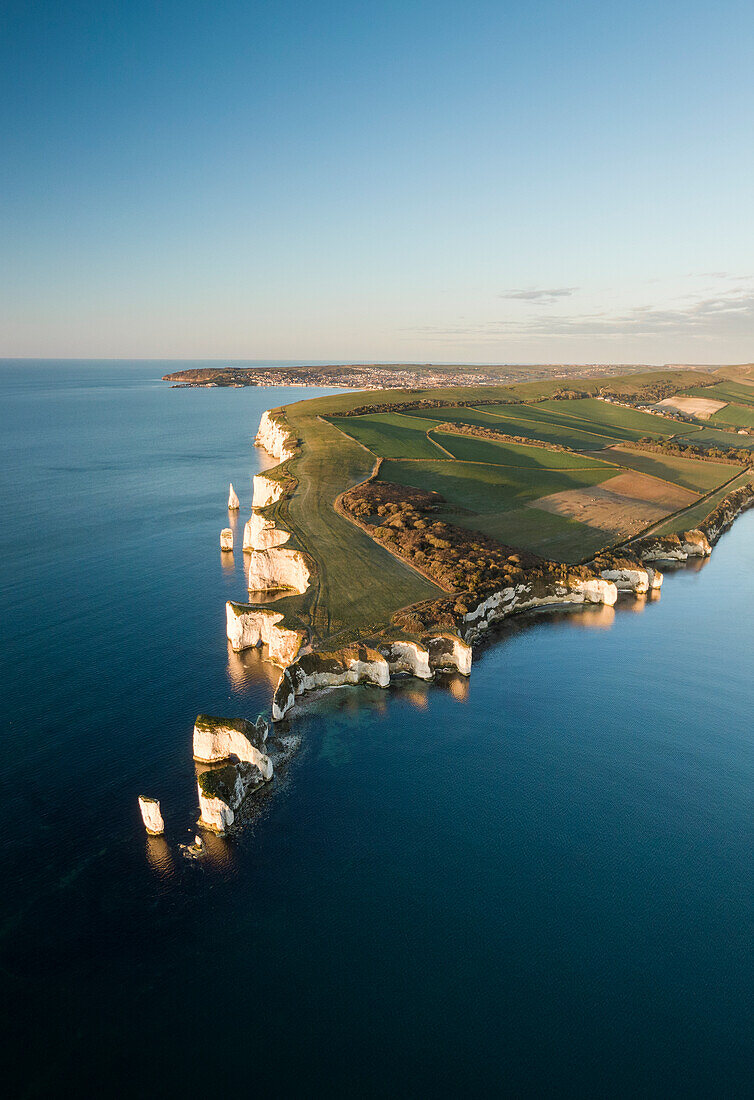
pixel 536 882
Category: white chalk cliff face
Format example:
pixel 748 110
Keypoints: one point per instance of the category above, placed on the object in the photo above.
pixel 448 653
pixel 222 791
pixel 261 533
pixel 226 539
pixel 275 438
pixel 151 815
pixel 266 491
pixel 357 664
pixel 638 581
pixel 407 657
pixel 248 627
pixel 217 739
pixel 233 502
pixel 522 597
pixel 277 568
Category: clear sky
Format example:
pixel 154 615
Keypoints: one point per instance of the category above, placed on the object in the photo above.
pixel 468 181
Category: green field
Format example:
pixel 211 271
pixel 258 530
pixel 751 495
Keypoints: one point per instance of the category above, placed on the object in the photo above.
pixel 726 391
pixel 739 416
pixel 699 512
pixel 690 473
pixel 483 489
pixel 470 449
pixel 390 435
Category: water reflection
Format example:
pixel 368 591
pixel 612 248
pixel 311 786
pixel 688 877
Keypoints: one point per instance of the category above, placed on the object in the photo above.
pixel 160 857
pixel 227 562
pixel 250 667
pixel 219 852
pixel 595 617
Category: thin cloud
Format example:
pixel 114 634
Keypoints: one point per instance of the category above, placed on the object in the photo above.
pixel 723 315
pixel 540 295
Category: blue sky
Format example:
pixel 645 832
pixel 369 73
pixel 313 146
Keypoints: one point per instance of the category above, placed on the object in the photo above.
pixel 486 182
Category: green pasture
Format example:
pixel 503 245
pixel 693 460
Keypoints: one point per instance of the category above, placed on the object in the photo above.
pixel 724 391
pixel 468 448
pixel 739 416
pixel 483 489
pixel 390 435
pixel 689 473
pixel 693 516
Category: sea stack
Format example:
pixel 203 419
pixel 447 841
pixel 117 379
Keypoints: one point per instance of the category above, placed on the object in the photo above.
pixel 226 539
pixel 233 502
pixel 151 816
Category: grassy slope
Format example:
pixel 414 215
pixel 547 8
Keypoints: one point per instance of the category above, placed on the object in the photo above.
pixel 390 435
pixel 690 473
pixel 739 416
pixel 694 515
pixel 725 391
pixel 487 489
pixel 359 584
pixel 471 449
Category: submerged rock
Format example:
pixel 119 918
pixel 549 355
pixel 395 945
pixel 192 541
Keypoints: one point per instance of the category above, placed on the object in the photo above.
pixel 226 539
pixel 233 502
pixel 151 815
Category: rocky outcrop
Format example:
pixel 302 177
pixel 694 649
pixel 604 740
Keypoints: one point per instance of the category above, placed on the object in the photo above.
pixel 448 653
pixel 357 664
pixel 277 568
pixel 636 580
pixel 233 502
pixel 151 815
pixel 226 539
pixel 722 517
pixel 222 791
pixel 275 437
pixel 249 626
pixel 218 739
pixel 261 533
pixel 536 593
pixel 407 657
pixel 691 544
pixel 266 491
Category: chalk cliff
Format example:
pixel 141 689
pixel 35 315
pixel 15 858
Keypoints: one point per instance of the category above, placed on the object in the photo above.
pixel 151 815
pixel 226 539
pixel 217 739
pixel 407 657
pixel 538 593
pixel 249 626
pixel 637 580
pixel 233 502
pixel 275 437
pixel 222 790
pixel 266 491
pixel 261 533
pixel 356 664
pixel 277 568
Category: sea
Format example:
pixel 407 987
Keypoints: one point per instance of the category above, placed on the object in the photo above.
pixel 536 882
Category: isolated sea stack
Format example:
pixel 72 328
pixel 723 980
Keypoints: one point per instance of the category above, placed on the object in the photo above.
pixel 226 539
pixel 151 816
pixel 233 502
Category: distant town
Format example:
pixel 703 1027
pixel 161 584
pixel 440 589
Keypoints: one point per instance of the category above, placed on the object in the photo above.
pixel 383 376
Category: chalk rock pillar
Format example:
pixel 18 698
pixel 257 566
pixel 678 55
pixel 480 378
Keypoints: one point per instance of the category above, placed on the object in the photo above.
pixel 151 816
pixel 233 502
pixel 226 539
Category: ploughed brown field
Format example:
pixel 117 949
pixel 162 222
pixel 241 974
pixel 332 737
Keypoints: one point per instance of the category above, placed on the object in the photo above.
pixel 620 506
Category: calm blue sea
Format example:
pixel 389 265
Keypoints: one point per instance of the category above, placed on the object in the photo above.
pixel 537 883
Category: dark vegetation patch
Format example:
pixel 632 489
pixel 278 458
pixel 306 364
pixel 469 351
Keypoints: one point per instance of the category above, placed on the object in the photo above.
pixel 732 456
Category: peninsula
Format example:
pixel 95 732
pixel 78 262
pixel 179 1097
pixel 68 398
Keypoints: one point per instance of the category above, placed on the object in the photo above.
pixel 397 530
pixel 412 523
